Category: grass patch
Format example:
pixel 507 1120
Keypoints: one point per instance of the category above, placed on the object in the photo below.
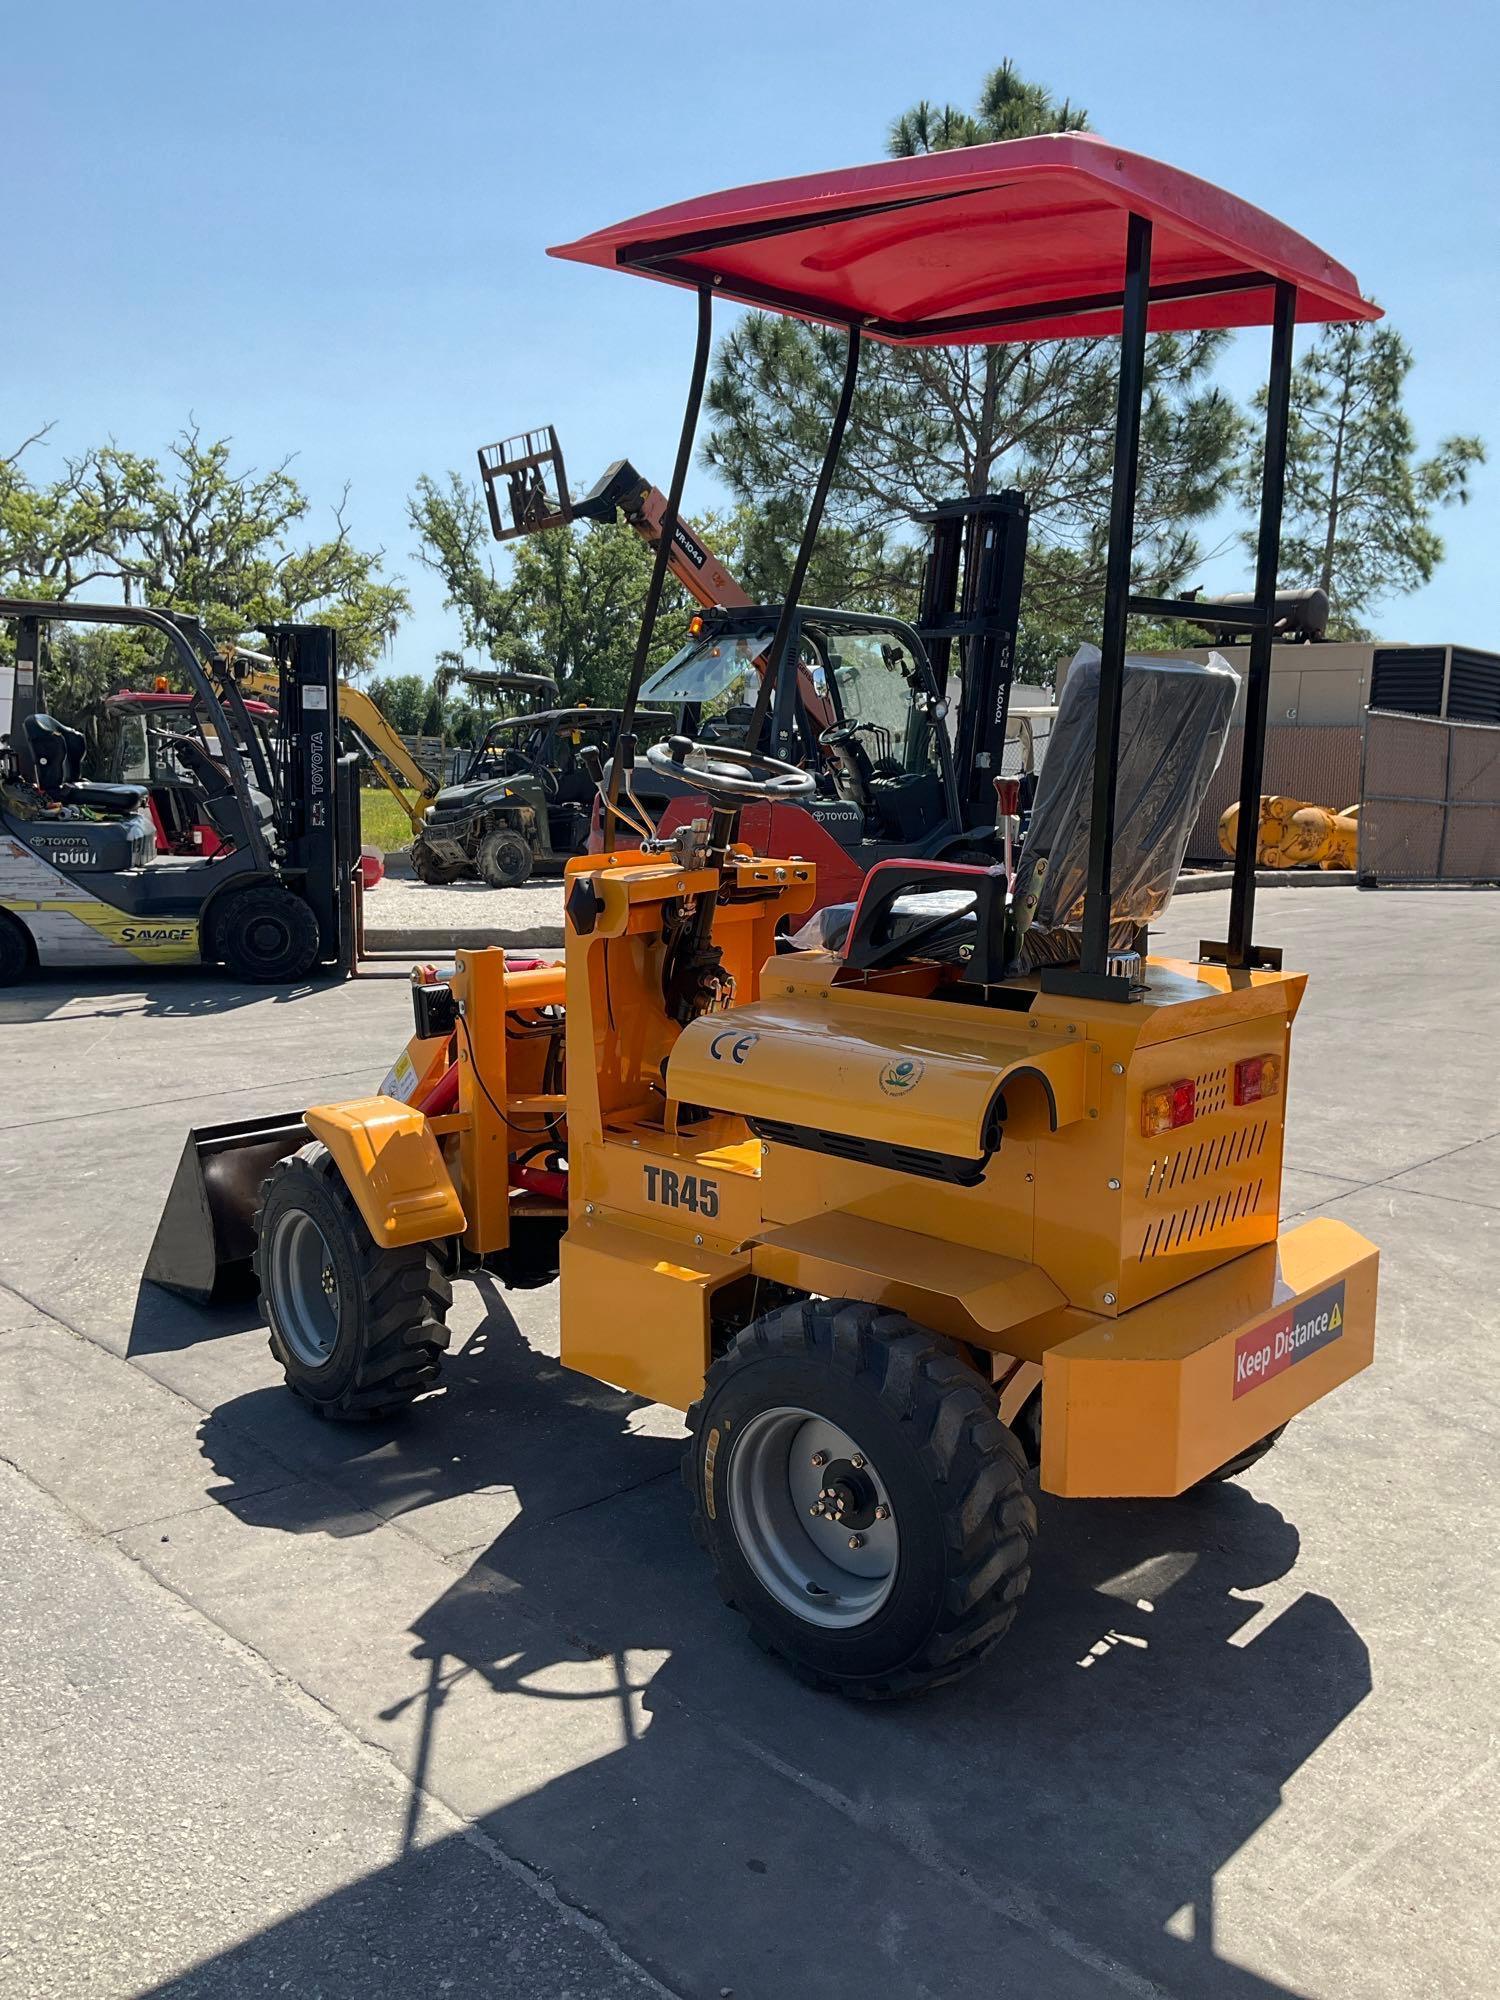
pixel 382 823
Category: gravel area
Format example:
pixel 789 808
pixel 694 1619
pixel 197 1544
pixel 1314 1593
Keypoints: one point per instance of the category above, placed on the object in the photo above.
pixel 400 912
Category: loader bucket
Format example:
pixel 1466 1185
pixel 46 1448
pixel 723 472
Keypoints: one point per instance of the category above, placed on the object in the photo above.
pixel 206 1235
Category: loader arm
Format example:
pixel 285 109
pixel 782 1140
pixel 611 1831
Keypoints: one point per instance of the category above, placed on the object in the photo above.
pixel 623 492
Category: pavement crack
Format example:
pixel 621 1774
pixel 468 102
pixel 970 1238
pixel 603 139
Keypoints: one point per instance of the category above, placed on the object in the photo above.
pixel 615 1493
pixel 216 1498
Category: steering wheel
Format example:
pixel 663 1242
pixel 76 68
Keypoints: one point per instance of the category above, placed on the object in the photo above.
pixel 729 775
pixel 211 776
pixel 843 740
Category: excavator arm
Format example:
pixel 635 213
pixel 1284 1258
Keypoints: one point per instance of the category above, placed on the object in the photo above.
pixel 524 477
pixel 393 763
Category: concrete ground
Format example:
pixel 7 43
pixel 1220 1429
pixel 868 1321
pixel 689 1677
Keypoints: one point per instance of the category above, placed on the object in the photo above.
pixel 450 1705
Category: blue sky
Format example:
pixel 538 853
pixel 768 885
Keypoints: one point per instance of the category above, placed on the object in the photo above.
pixel 320 228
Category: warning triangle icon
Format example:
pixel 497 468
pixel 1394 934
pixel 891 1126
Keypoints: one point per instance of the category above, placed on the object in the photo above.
pixel 1335 1318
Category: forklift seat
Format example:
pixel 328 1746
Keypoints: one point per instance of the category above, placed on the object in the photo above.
pixel 57 759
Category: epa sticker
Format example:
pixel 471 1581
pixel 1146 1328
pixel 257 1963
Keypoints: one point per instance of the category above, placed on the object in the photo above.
pixel 898 1077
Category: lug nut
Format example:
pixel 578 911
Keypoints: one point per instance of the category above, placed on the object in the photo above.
pixel 856 1541
pixel 857 1462
pixel 820 1458
pixel 882 1512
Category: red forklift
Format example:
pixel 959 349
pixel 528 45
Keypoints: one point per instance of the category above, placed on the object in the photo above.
pixel 149 728
pixel 903 726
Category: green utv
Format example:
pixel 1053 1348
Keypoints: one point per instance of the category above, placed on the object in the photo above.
pixel 525 800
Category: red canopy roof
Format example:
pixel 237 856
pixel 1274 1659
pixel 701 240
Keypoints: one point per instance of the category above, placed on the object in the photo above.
pixel 163 699
pixel 1021 240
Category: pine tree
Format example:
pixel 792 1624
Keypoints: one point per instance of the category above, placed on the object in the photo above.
pixel 1359 502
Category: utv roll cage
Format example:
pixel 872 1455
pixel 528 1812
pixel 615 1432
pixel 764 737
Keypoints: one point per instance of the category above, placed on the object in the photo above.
pixel 1052 237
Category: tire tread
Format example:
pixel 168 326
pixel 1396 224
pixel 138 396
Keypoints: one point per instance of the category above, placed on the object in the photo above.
pixel 976 1464
pixel 407 1297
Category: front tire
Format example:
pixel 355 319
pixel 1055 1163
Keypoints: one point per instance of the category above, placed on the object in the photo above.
pixel 427 868
pixel 862 1503
pixel 503 858
pixel 359 1331
pixel 266 935
pixel 17 953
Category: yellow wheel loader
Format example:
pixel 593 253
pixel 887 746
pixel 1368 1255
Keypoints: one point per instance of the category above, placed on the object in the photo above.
pixel 951 1190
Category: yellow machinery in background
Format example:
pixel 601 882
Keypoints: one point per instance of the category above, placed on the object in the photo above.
pixel 409 784
pixel 1294 834
pixel 948 1190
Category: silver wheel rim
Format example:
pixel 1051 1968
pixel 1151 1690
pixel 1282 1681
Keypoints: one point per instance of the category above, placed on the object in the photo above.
pixel 304 1288
pixel 832 1564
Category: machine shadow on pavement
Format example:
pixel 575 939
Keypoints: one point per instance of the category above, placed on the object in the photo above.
pixel 49 994
pixel 1075 1798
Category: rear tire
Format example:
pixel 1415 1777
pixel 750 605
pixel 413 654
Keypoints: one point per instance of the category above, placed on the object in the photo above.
pixel 17 952
pixel 359 1331
pixel 1243 1460
pixel 925 1589
pixel 266 934
pixel 503 858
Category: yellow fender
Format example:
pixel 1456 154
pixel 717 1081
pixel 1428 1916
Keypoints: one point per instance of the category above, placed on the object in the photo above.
pixel 394 1168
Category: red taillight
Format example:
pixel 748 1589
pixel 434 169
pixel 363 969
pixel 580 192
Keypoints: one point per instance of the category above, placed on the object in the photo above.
pixel 1168 1106
pixel 1256 1077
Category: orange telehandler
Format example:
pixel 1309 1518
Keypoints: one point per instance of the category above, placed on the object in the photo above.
pixel 859 699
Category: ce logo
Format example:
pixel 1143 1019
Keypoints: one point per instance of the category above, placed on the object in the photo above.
pixel 739 1046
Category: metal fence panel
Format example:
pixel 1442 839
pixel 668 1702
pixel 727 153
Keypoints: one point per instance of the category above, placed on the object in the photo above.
pixel 1430 804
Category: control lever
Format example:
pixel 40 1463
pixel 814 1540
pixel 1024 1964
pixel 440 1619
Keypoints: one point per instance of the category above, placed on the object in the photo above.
pixel 625 751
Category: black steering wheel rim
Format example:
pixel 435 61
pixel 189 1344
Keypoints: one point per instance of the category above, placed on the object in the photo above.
pixel 729 775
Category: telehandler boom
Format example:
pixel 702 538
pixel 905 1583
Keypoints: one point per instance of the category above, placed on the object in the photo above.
pixel 966 1189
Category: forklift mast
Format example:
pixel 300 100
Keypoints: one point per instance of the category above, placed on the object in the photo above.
pixel 971 593
pixel 320 816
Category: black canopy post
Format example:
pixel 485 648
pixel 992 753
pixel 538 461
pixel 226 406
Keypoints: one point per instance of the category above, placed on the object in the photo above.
pixel 809 537
pixel 663 553
pixel 1240 949
pixel 1092 977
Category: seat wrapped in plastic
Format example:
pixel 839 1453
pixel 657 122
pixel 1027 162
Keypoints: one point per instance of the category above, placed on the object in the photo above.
pixel 1174 722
